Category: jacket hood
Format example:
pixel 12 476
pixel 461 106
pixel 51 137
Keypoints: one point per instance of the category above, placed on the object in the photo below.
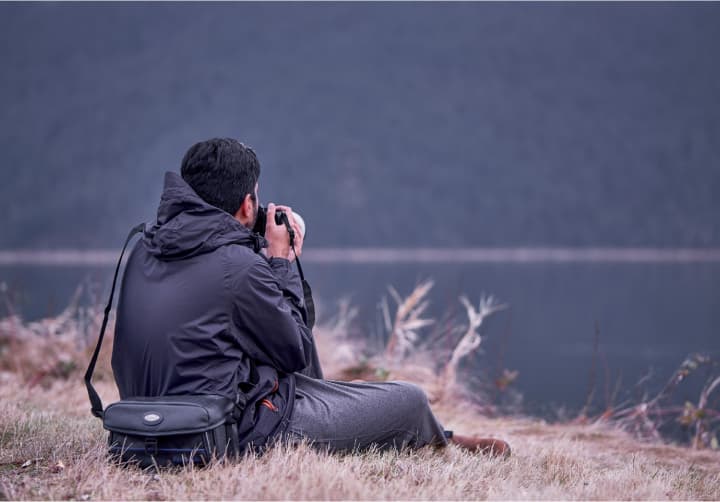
pixel 187 225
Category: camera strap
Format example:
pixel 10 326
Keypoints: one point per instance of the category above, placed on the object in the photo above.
pixel 95 402
pixel 307 292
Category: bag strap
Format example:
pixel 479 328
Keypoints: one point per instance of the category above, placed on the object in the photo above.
pixel 96 407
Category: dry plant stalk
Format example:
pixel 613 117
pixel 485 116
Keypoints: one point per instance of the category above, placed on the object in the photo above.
pixel 52 348
pixel 702 428
pixel 339 326
pixel 471 340
pixel 408 320
pixel 345 355
pixel 645 418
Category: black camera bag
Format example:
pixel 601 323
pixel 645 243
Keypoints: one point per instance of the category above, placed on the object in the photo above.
pixel 171 430
pixel 164 431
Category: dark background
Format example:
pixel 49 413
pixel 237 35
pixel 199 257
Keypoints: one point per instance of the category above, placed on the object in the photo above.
pixel 385 124
pixel 403 125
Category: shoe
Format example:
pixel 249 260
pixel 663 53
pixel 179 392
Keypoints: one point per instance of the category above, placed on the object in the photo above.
pixel 487 446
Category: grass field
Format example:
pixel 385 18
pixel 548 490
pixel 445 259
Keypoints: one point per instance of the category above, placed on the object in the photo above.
pixel 51 448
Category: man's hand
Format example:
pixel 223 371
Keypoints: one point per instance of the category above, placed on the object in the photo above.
pixel 278 236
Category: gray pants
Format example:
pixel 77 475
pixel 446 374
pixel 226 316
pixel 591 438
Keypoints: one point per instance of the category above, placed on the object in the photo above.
pixel 343 416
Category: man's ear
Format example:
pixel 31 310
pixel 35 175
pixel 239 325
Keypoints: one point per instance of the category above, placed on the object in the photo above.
pixel 246 211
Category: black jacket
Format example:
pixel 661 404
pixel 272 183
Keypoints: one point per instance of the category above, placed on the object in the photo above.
pixel 202 312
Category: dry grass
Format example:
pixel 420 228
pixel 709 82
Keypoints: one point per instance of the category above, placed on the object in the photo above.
pixel 51 448
pixel 51 428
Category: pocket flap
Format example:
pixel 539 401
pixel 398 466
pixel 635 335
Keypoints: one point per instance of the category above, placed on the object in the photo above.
pixel 159 416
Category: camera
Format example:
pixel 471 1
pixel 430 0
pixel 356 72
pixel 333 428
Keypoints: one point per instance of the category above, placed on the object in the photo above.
pixel 261 221
pixel 280 219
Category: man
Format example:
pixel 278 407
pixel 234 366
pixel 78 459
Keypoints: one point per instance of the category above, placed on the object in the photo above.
pixel 207 306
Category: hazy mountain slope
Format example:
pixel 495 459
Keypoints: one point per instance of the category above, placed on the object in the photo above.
pixel 401 124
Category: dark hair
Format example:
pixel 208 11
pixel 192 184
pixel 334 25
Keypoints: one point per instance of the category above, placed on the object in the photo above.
pixel 222 171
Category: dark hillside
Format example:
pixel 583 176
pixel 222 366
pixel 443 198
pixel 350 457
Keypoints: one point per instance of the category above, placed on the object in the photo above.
pixel 397 124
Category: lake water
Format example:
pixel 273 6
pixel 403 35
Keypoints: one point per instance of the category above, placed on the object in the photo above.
pixel 649 316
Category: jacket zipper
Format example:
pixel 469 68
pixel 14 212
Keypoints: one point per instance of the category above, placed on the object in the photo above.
pixel 268 404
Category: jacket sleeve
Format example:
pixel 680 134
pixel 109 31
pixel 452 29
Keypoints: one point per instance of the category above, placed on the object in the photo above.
pixel 268 313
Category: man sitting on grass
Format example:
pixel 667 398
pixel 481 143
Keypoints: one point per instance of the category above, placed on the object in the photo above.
pixel 207 306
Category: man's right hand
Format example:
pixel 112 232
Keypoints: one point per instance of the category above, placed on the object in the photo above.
pixel 277 235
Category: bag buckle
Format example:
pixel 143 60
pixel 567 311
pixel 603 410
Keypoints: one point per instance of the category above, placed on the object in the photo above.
pixel 151 446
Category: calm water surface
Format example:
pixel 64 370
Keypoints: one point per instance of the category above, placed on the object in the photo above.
pixel 649 316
